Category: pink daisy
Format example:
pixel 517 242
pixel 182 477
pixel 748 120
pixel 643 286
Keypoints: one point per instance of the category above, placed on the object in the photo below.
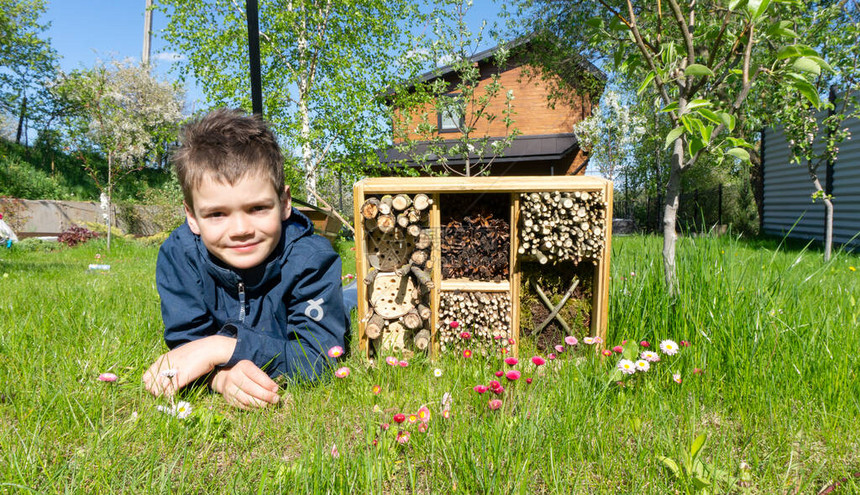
pixel 538 361
pixel 511 361
pixel 342 372
pixel 494 404
pixel 392 361
pixel 107 377
pixel 645 344
pixel 513 375
pixel 480 388
pixel 606 352
pixel 454 324
pixel 403 364
pixel 499 374
pixel 402 437
pixel 551 356
pixel 529 381
pixel 571 340
pixel 618 349
pixel 465 335
pixel 424 414
pixel 376 389
pixel 399 418
pixel 335 351
pixel 467 353
pixel 559 348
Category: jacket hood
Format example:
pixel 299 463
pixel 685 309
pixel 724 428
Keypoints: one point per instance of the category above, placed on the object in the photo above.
pixel 292 229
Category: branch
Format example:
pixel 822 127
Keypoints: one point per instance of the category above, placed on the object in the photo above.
pixel 643 48
pixel 685 31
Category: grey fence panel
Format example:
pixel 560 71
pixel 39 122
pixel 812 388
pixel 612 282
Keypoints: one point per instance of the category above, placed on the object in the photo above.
pixel 788 207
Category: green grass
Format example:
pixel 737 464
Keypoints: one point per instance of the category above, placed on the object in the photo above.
pixel 774 329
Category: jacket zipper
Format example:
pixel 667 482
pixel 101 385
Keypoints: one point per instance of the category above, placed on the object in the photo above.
pixel 241 301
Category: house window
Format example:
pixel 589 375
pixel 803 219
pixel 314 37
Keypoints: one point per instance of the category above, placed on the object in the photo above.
pixel 451 114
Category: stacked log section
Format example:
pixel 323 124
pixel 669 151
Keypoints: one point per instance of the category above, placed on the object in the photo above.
pixel 398 279
pixel 475 241
pixel 484 316
pixel 562 226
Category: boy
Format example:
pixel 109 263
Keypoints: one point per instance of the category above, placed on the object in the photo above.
pixel 244 284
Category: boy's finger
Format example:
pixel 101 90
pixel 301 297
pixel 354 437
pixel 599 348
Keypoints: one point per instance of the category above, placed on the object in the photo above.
pixel 260 378
pixel 254 389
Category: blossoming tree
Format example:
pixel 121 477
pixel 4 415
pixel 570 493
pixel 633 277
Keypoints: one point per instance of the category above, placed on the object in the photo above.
pixel 121 111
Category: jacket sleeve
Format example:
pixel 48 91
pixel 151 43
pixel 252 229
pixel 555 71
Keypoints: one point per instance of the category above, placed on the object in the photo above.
pixel 180 287
pixel 316 321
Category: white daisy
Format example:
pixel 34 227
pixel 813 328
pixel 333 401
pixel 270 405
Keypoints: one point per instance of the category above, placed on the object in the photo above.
pixel 650 356
pixel 643 365
pixel 669 347
pixel 676 377
pixel 437 372
pixel 627 366
pixel 588 340
pixel 182 409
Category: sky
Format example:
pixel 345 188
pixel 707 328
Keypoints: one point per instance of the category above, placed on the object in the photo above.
pixel 84 31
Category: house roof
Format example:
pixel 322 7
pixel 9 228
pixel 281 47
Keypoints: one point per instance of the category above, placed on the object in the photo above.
pixel 491 52
pixel 546 147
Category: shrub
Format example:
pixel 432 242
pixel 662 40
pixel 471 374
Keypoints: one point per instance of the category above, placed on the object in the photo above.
pixel 76 235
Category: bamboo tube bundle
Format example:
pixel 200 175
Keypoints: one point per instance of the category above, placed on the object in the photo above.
pixel 483 316
pixel 563 226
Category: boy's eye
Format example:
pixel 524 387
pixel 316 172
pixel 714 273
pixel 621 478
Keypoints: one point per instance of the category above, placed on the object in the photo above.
pixel 259 208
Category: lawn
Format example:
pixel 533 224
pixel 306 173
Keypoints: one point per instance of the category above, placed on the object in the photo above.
pixel 769 378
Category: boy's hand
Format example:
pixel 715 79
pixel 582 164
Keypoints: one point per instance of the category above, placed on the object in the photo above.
pixel 245 386
pixel 188 362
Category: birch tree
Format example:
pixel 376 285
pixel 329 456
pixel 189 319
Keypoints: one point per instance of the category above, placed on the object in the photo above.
pixel 324 65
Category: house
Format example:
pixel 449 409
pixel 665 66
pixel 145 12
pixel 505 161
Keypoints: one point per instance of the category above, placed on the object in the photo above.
pixel 543 110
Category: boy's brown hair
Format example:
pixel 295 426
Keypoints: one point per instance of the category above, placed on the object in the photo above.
pixel 227 145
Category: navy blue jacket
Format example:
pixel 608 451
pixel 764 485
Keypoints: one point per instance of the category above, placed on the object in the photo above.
pixel 284 322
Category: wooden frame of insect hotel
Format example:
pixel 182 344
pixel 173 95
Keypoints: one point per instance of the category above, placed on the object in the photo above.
pixel 450 264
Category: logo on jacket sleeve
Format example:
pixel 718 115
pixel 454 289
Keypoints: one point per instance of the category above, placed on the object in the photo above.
pixel 314 310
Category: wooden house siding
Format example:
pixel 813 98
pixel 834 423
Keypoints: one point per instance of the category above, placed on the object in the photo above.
pixel 534 114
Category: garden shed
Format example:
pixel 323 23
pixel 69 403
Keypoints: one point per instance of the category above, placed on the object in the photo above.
pixel 787 207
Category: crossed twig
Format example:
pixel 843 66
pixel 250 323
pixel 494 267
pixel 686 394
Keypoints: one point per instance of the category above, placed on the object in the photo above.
pixel 553 314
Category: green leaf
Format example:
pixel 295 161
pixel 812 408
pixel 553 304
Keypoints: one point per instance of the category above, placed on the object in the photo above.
pixel 699 441
pixel 645 83
pixel 762 8
pixel 788 51
pixel 631 350
pixel 806 89
pixel 616 375
pixel 694 145
pixel 821 63
pixel 739 153
pixel 698 103
pixel 698 70
pixel 806 64
pixel 782 29
pixel 595 22
pixel 700 483
pixel 709 115
pixel 673 135
pixel 670 107
pixel 728 120
pixel 671 464
pixel 735 4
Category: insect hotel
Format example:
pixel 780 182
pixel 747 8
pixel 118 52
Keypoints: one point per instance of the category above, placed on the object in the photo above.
pixel 452 263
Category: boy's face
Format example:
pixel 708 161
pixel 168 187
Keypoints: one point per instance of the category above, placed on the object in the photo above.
pixel 239 224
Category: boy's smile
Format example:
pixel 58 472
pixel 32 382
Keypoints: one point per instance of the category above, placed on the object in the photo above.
pixel 239 224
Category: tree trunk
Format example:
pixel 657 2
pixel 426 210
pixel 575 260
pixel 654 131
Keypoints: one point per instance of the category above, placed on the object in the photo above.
pixel 307 152
pixel 828 213
pixel 110 200
pixel 670 213
pixel 828 229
